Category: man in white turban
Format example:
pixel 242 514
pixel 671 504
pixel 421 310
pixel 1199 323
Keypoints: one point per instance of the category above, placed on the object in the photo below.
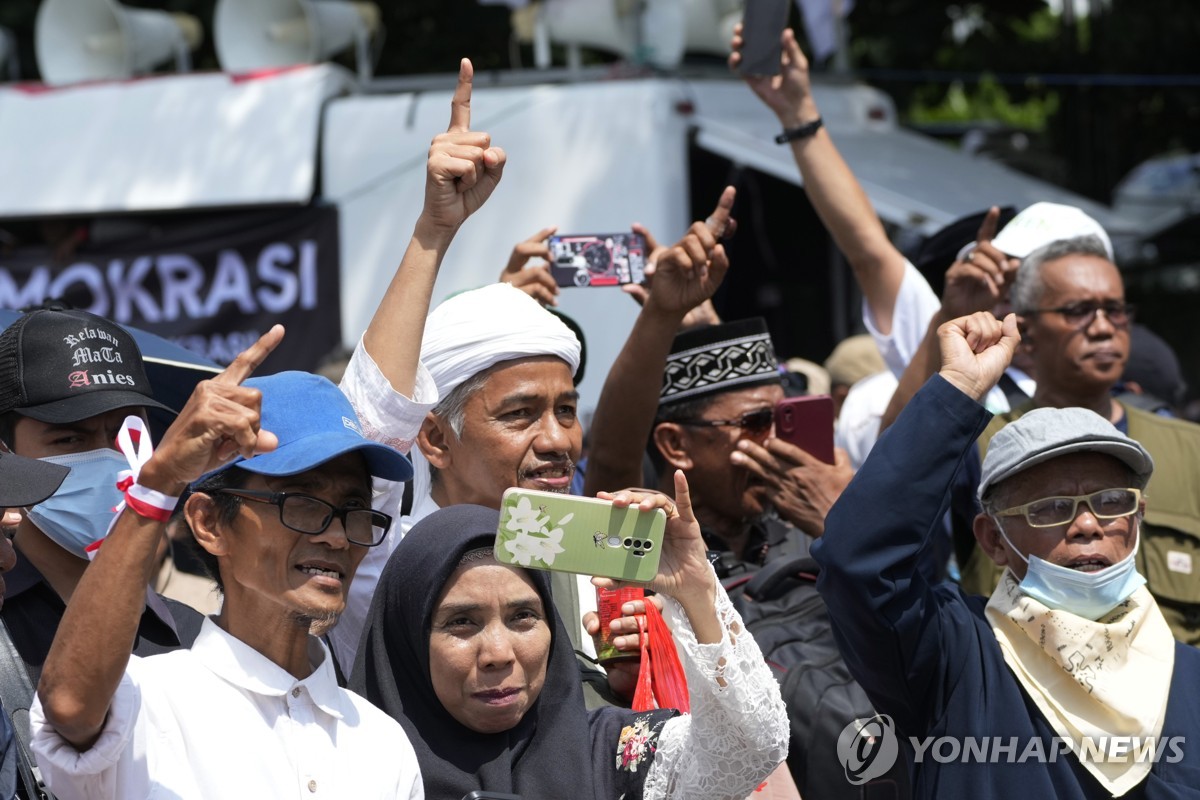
pixel 506 416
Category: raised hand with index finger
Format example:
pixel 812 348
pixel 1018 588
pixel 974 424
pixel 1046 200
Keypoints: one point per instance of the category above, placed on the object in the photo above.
pixel 463 168
pixel 690 272
pixel 220 421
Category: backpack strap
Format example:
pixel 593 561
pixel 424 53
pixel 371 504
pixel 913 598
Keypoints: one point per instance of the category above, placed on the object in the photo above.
pixel 16 695
pixel 779 576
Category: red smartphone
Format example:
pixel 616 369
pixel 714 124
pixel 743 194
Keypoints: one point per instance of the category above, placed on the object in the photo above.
pixel 807 422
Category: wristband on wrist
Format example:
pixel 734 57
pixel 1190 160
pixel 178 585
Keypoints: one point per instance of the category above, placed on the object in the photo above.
pixel 149 503
pixel 802 132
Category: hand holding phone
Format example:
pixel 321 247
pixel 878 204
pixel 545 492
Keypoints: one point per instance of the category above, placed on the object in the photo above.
pixel 584 535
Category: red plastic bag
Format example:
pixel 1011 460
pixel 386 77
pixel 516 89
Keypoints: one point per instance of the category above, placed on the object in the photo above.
pixel 661 682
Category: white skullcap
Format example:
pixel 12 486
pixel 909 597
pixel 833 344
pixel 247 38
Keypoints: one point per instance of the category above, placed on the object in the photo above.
pixel 1044 223
pixel 478 329
pixel 475 330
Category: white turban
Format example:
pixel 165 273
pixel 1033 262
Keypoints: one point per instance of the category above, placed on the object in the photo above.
pixel 475 330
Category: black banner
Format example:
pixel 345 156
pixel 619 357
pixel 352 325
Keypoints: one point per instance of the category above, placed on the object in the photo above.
pixel 212 283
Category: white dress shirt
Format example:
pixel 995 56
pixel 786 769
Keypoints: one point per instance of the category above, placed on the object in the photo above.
pixel 223 721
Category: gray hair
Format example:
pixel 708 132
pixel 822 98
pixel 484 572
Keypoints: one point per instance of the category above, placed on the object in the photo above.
pixel 453 407
pixel 1028 287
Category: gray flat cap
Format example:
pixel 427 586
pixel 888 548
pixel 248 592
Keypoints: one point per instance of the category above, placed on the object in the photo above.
pixel 1047 433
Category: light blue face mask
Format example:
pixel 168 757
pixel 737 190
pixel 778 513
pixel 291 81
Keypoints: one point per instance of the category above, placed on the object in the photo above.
pixel 79 513
pixel 1090 595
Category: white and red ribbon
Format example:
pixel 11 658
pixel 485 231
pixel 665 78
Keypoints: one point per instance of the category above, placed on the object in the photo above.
pixel 133 441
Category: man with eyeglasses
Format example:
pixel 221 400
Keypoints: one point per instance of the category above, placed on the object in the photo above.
pixel 1045 688
pixel 1075 327
pixel 279 475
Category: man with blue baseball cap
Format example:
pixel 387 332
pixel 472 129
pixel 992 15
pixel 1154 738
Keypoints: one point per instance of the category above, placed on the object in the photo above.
pixel 280 476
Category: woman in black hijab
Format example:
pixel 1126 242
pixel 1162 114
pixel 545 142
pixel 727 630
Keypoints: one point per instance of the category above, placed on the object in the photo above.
pixel 522 727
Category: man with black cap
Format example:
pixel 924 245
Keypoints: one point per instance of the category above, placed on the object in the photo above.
pixel 23 482
pixel 1069 670
pixel 67 380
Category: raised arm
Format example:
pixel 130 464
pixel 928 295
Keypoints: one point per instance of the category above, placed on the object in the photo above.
pixel 737 731
pixel 892 626
pixel 686 275
pixel 836 195
pixel 92 646
pixel 462 171
pixel 977 282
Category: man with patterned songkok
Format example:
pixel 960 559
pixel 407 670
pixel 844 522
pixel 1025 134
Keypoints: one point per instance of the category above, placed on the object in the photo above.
pixel 506 416
pixel 715 393
pixel 1067 682
pixel 705 400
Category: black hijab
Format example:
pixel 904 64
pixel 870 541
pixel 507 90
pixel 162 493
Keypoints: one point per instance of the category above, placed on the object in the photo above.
pixel 557 750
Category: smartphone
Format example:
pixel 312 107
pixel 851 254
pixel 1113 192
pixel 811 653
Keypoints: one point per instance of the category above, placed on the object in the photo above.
pixel 807 422
pixel 584 535
pixel 598 259
pixel 483 794
pixel 763 22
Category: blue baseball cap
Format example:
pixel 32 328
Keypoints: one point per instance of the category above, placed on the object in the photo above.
pixel 314 423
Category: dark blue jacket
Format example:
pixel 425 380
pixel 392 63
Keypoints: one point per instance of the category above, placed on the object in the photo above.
pixel 926 654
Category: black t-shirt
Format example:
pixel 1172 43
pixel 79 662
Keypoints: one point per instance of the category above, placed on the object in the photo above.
pixel 32 611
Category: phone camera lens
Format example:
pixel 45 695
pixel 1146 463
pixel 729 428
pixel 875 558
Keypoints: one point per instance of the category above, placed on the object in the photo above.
pixel 628 542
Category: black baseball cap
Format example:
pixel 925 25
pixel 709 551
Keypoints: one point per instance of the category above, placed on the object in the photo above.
pixel 62 366
pixel 27 481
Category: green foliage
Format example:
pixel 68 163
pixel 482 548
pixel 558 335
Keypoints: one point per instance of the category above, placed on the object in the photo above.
pixel 987 100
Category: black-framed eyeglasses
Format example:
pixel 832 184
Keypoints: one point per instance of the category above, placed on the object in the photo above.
pixel 307 514
pixel 1106 504
pixel 1081 315
pixel 752 421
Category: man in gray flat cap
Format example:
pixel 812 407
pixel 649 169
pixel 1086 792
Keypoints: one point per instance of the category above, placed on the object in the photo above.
pixel 1066 682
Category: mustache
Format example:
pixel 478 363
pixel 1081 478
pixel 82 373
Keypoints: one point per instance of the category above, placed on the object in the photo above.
pixel 566 463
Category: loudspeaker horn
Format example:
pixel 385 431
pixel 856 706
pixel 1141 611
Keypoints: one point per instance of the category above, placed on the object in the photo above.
pixel 264 34
pixel 82 40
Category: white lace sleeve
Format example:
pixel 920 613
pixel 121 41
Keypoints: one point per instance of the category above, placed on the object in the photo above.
pixel 737 732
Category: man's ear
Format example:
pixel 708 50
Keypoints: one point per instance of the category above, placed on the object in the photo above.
pixel 672 443
pixel 436 440
pixel 201 514
pixel 987 535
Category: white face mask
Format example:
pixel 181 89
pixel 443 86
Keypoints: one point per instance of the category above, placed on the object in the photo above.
pixel 79 514
pixel 1090 595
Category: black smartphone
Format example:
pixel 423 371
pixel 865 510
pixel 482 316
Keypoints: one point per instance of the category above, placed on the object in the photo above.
pixel 598 259
pixel 480 794
pixel 763 22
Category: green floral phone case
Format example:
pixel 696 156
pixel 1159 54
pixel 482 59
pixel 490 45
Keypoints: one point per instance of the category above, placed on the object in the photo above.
pixel 563 533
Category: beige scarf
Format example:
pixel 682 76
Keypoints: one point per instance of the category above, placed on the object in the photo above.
pixel 1096 679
